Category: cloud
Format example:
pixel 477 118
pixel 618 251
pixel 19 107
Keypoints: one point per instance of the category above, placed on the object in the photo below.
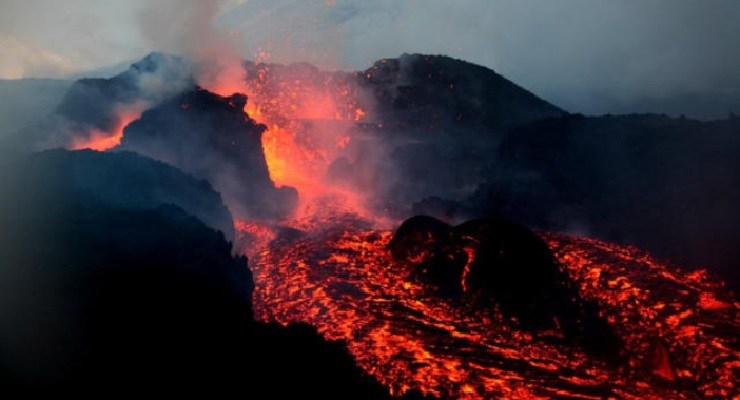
pixel 84 34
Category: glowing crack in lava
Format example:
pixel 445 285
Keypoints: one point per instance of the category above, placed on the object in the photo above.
pixel 105 140
pixel 679 329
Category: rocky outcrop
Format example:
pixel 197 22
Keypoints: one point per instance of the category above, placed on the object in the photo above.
pixel 212 138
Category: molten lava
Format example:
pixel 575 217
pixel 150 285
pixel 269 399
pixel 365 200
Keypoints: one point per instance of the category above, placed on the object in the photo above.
pixel 679 329
pixel 308 115
pixel 104 140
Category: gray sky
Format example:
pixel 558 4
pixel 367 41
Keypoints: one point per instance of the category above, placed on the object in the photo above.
pixel 593 56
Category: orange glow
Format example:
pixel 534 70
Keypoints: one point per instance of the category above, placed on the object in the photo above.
pixel 101 140
pixel 309 116
pixel 678 328
pixel 359 114
pixel 343 282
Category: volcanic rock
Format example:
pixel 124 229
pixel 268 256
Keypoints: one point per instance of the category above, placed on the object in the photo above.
pixel 417 236
pixel 670 186
pixel 490 262
pixel 415 90
pixel 440 121
pixel 100 297
pixel 94 102
pixel 510 263
pixel 124 181
pixel 487 259
pixel 212 138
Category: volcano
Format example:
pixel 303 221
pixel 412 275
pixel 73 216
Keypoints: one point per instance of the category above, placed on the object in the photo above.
pixel 459 236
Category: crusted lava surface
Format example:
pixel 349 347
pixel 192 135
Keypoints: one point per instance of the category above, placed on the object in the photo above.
pixel 675 331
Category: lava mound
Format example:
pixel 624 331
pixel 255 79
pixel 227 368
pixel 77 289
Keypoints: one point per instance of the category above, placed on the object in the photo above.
pixel 495 263
pixel 485 261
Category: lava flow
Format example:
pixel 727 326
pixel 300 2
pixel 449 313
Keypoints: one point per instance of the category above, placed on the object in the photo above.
pixel 328 266
pixel 679 329
pixel 101 140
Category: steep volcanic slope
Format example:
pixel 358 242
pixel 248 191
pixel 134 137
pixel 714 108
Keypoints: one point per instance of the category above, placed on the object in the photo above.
pixel 421 91
pixel 97 103
pixel 670 186
pixel 212 138
pixel 438 121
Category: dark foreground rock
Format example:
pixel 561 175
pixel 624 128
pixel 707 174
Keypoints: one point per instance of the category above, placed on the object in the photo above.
pixel 107 300
pixel 124 181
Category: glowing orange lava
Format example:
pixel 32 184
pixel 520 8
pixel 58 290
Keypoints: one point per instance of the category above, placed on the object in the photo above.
pixel 308 115
pixel 679 329
pixel 101 140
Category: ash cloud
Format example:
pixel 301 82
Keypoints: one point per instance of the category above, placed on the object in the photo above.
pixel 216 56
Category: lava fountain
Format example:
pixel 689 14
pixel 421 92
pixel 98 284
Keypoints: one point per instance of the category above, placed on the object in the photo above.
pixel 309 115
